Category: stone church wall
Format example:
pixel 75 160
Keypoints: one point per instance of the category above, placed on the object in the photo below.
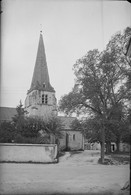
pixel 72 140
pixel 35 107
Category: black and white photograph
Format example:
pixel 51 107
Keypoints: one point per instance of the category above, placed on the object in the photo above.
pixel 65 97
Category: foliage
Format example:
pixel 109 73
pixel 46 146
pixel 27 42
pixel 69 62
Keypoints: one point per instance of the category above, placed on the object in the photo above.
pixel 54 126
pixel 7 132
pixel 30 127
pixel 32 140
pixel 24 129
pixel 102 87
pixel 36 130
pixel 77 125
pixel 100 80
pixel 19 118
pixel 93 128
pixel 126 134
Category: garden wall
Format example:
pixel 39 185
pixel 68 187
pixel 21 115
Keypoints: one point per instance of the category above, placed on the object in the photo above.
pixel 37 153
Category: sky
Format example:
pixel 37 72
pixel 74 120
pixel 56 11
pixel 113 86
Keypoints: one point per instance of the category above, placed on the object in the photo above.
pixel 70 29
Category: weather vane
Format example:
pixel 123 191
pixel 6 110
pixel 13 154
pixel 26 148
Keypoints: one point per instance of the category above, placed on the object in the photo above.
pixel 41 28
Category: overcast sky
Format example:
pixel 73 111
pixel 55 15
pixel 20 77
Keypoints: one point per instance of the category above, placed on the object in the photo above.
pixel 70 29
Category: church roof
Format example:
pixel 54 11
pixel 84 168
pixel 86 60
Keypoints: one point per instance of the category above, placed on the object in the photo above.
pixel 6 113
pixel 40 80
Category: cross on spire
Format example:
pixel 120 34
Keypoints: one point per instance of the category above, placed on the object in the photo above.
pixel 41 28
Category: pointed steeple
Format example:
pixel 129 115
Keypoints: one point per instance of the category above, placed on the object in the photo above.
pixel 40 80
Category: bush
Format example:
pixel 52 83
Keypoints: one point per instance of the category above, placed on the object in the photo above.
pixel 7 132
pixel 27 130
pixel 31 140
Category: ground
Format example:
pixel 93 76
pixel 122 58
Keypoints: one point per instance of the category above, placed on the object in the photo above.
pixel 76 173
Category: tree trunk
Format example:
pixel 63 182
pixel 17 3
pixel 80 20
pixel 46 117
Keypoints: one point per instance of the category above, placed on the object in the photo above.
pixel 117 144
pixel 102 145
pixel 108 147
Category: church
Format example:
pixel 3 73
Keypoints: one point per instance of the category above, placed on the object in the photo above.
pixel 41 102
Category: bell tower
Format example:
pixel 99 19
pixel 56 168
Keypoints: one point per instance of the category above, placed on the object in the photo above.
pixel 41 101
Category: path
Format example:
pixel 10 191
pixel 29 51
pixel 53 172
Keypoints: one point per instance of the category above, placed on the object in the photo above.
pixel 74 174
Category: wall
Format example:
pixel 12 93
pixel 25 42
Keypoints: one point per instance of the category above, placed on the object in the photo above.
pixel 76 143
pixel 42 153
pixel 35 107
pixel 92 146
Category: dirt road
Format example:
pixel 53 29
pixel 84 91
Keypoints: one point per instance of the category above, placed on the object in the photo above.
pixel 74 174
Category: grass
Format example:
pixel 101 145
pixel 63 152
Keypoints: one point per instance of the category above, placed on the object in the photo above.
pixel 110 159
pixel 121 157
pixel 75 152
pixel 117 158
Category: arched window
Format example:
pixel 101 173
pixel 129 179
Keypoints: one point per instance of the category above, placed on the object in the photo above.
pixel 46 99
pixel 74 137
pixel 43 98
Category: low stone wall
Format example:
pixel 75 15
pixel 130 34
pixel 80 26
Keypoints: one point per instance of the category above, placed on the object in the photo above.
pixel 35 153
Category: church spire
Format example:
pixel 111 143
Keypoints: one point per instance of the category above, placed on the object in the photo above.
pixel 40 80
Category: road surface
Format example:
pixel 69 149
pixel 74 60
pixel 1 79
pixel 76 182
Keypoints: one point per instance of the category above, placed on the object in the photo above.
pixel 74 174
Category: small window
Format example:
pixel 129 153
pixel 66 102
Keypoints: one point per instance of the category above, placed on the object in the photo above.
pixel 74 137
pixel 44 85
pixel 44 99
